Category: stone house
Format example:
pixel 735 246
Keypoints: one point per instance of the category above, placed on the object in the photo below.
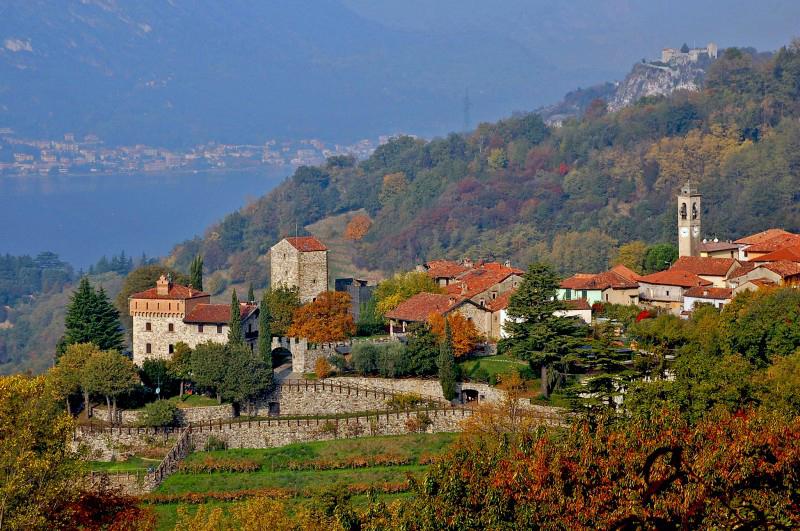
pixel 780 273
pixel 358 289
pixel 665 289
pixel 480 282
pixel 170 313
pixel 619 285
pixel 718 249
pixel 421 306
pixel 715 270
pixel 300 263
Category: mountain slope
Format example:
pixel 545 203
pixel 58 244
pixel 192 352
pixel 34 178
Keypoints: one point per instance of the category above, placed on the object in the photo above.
pixel 518 189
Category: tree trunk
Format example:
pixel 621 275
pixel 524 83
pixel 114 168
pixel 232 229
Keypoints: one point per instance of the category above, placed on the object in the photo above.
pixel 69 409
pixel 86 404
pixel 181 388
pixel 219 397
pixel 108 406
pixel 545 388
pixel 114 408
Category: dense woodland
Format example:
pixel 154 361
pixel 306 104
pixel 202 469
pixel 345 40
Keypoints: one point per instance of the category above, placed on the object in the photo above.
pixel 567 195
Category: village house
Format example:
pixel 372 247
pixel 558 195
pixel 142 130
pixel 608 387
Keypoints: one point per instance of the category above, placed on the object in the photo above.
pixel 420 307
pixel 171 313
pixel 753 285
pixel 300 263
pixel 715 270
pixel 756 245
pixel 665 289
pixel 717 297
pixel 619 285
pixel 718 249
pixel 781 273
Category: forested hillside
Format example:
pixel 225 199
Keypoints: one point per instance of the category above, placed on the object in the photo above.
pixel 570 195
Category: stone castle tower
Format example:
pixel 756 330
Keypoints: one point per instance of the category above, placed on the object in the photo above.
pixel 689 220
pixel 300 263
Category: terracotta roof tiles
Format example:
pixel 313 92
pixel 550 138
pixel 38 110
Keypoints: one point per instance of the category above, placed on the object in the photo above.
pixel 176 292
pixel 703 292
pixel 600 281
pixel 420 306
pixel 761 236
pixel 444 269
pixel 717 267
pixel 672 277
pixel 773 244
pixel 307 244
pixel 791 253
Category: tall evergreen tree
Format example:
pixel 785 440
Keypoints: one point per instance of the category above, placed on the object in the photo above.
pixel 196 273
pixel 265 334
pixel 446 363
pixel 77 322
pixel 251 294
pixel 108 334
pixel 534 333
pixel 235 335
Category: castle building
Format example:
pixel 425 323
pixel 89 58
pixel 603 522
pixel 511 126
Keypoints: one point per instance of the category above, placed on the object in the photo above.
pixel 300 263
pixel 689 220
pixel 692 55
pixel 170 313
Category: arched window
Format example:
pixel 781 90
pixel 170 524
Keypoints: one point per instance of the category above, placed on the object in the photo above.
pixel 683 210
pixel 694 210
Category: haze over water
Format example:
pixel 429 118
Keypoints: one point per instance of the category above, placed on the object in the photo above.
pixel 85 217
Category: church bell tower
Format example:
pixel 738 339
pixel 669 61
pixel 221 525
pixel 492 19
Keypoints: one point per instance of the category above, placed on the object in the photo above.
pixel 689 220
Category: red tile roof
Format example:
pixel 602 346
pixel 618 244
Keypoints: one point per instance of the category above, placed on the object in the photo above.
pixel 176 292
pixel 671 277
pixel 761 283
pixel 761 236
pixel 710 247
pixel 444 269
pixel 702 292
pixel 307 244
pixel 501 301
pixel 475 281
pixel 784 268
pixel 743 269
pixel 626 272
pixel 717 267
pixel 577 304
pixel 600 281
pixel 773 244
pixel 791 253
pixel 419 307
pixel 217 313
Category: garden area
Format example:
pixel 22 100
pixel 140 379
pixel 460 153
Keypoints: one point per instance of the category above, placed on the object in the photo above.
pixel 298 473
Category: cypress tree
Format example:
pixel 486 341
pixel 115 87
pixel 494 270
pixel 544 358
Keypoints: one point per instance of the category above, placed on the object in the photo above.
pixel 265 333
pixel 235 335
pixel 196 273
pixel 251 294
pixel 78 321
pixel 446 363
pixel 108 333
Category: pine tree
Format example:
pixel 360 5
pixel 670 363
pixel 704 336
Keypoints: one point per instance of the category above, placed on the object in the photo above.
pixel 251 294
pixel 78 321
pixel 196 273
pixel 446 363
pixel 107 329
pixel 265 334
pixel 235 335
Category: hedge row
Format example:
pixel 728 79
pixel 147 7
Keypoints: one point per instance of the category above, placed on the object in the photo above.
pixel 212 464
pixel 350 462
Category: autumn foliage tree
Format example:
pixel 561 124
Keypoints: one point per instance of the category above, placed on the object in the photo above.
pixel 358 227
pixel 465 334
pixel 327 318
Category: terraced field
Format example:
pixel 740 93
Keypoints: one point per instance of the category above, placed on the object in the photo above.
pixel 299 471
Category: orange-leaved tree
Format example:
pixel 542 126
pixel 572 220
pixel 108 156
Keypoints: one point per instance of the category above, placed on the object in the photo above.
pixel 327 318
pixel 358 227
pixel 464 332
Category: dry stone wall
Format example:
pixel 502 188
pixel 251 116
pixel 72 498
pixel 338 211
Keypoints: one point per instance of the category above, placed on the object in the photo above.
pixel 425 388
pixel 322 398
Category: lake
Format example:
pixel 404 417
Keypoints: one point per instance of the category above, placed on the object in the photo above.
pixel 85 217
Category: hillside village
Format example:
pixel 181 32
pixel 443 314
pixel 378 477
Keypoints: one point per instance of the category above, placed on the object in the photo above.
pixel 707 271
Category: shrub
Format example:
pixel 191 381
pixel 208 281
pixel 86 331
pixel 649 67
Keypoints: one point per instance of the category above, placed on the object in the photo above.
pixel 364 358
pixel 418 423
pixel 392 360
pixel 338 361
pixel 403 401
pixel 212 464
pixel 214 443
pixel 159 413
pixel 322 368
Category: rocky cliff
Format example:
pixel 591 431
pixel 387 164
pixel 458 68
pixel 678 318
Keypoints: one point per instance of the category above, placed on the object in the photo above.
pixel 658 79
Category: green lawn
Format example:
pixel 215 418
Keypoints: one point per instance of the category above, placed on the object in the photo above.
pixel 273 473
pixel 194 401
pixel 493 365
pixel 130 465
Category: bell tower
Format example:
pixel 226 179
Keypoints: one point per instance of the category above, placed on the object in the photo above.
pixel 689 220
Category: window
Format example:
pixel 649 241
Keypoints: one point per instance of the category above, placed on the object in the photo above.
pixel 583 294
pixel 483 303
pixel 148 327
pixel 171 349
pixel 171 327
pixel 249 327
pixel 219 329
pixel 494 295
pixel 606 297
pixel 199 329
pixel 148 348
pixel 683 211
pixel 567 294
pixel 667 293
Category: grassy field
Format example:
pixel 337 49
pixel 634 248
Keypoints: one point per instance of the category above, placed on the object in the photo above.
pixel 273 473
pixel 131 465
pixel 493 365
pixel 193 401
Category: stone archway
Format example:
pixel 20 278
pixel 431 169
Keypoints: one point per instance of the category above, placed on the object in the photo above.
pixel 281 356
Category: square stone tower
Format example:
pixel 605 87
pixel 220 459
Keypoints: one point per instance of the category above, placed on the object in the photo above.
pixel 300 263
pixel 689 220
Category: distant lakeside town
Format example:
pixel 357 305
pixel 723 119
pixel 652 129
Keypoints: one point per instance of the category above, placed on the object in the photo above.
pixel 72 155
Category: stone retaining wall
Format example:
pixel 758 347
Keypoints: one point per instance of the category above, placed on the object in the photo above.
pixel 423 387
pixel 186 416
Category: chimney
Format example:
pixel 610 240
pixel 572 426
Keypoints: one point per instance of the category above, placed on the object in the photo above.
pixel 467 262
pixel 463 288
pixel 507 263
pixel 451 301
pixel 163 285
